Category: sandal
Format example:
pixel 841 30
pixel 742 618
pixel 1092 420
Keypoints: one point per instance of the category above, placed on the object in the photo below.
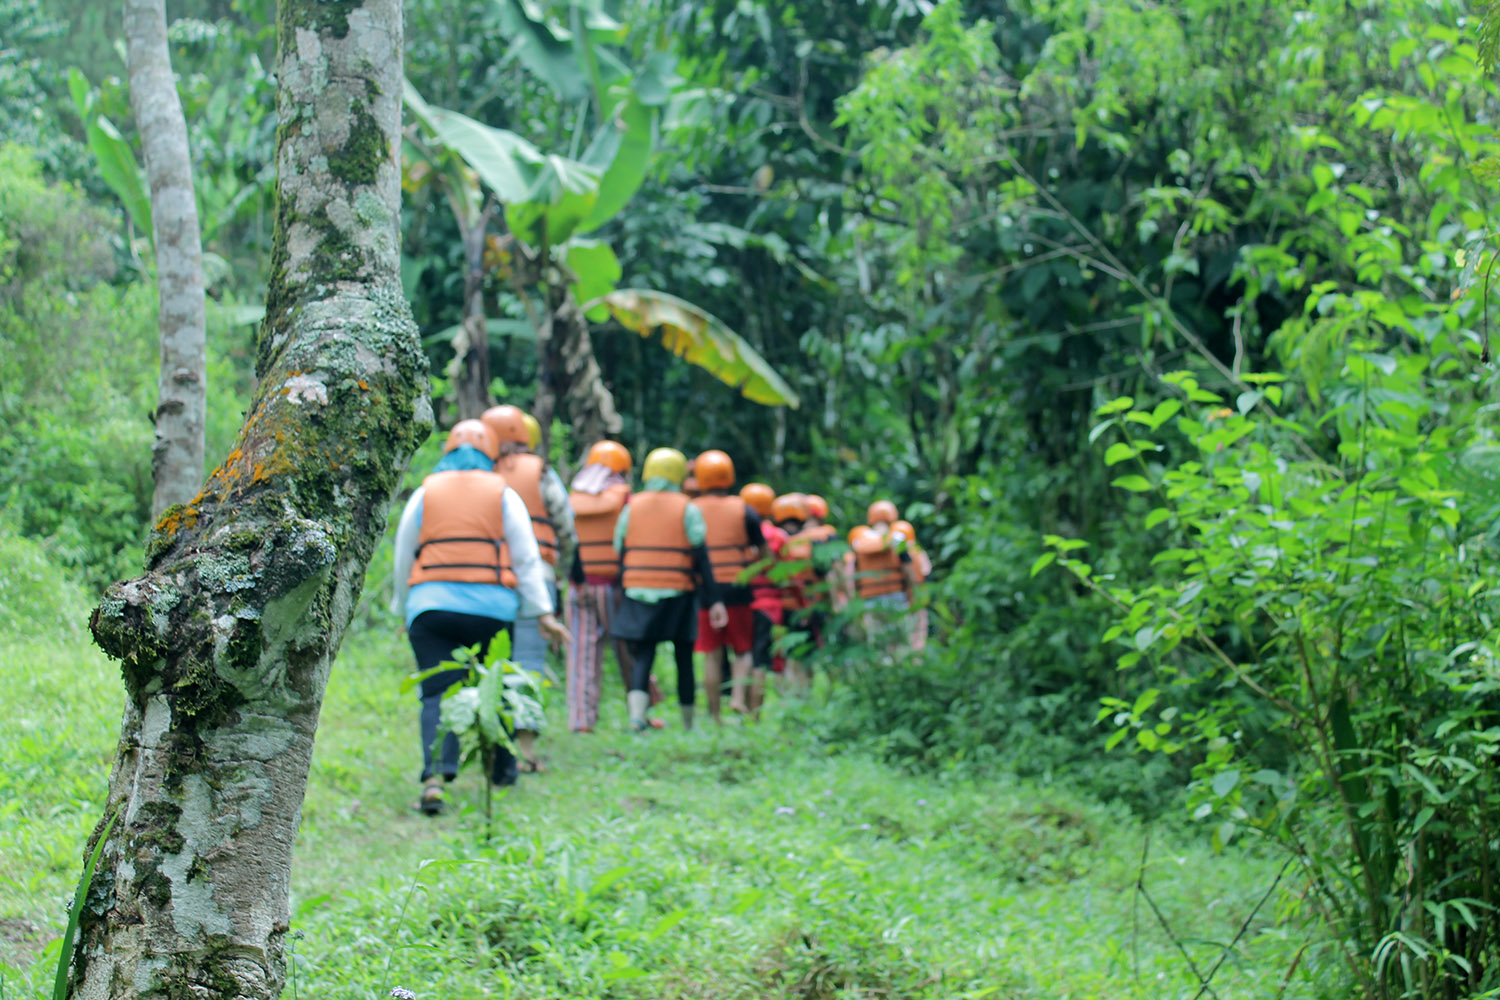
pixel 433 798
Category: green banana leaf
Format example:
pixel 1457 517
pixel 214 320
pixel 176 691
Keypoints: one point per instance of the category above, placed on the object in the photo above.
pixel 597 268
pixel 563 196
pixel 113 155
pixel 507 163
pixel 549 58
pixel 622 149
pixel 701 339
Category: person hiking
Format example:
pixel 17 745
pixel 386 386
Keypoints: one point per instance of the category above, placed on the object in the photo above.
pixel 546 501
pixel 765 595
pixel 921 570
pixel 825 590
pixel 467 566
pixel 884 577
pixel 734 542
pixel 598 494
pixel 790 512
pixel 666 572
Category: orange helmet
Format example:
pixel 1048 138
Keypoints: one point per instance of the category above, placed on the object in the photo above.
pixel 905 528
pixel 817 507
pixel 714 470
pixel 508 424
pixel 759 497
pixel 474 434
pixel 882 510
pixel 865 541
pixel 611 454
pixel 789 507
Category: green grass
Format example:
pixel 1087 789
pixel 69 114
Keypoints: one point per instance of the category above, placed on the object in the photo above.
pixel 741 862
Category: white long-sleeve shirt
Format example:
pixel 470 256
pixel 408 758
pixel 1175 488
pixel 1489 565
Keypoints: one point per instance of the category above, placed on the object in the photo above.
pixel 530 598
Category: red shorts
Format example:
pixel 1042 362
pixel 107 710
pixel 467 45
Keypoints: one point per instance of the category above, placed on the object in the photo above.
pixel 738 635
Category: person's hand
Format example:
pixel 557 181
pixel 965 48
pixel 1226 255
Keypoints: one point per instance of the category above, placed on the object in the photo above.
pixel 718 615
pixel 554 631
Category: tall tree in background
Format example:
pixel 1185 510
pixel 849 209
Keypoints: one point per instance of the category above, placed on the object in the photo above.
pixel 227 640
pixel 177 456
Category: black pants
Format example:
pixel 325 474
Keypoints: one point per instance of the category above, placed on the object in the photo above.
pixel 435 636
pixel 643 651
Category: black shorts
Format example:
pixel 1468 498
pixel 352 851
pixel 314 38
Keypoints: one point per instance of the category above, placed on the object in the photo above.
pixel 760 643
pixel 809 620
pixel 674 619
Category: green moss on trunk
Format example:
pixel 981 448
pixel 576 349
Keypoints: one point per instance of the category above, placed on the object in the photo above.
pixel 331 16
pixel 358 162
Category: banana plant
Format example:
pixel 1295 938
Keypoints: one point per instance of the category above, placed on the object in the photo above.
pixel 112 154
pixel 550 204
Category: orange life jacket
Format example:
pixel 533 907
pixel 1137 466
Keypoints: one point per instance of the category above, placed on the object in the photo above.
pixel 463 530
pixel 657 553
pixel 594 518
pixel 523 471
pixel 728 544
pixel 877 565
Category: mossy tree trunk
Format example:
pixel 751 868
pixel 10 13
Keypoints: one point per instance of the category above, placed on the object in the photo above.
pixel 177 455
pixel 227 639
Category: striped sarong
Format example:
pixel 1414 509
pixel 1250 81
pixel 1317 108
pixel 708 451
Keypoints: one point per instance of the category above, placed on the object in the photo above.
pixel 591 608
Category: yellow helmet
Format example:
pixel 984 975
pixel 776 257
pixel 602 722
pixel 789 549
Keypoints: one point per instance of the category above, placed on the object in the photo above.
pixel 665 463
pixel 533 428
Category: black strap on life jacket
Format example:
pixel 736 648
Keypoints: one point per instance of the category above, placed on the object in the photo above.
pixel 498 565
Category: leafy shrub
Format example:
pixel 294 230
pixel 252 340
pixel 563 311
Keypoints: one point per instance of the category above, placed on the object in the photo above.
pixel 1014 672
pixel 1319 640
pixel 76 389
pixel 41 600
pixel 78 379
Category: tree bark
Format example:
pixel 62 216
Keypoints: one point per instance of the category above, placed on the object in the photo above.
pixel 227 639
pixel 473 388
pixel 568 373
pixel 177 455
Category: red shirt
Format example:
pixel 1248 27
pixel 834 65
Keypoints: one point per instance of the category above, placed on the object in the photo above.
pixel 765 595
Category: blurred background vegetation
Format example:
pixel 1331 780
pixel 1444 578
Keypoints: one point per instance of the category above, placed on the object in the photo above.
pixel 957 231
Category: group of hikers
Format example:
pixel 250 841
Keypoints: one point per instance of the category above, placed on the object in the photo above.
pixel 745 578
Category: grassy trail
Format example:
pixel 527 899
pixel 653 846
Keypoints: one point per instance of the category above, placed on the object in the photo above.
pixel 741 862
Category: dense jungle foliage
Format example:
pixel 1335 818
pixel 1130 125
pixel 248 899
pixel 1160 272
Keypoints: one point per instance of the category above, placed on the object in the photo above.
pixel 1168 325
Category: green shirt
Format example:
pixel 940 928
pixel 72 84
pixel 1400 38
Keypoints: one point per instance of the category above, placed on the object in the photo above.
pixel 692 523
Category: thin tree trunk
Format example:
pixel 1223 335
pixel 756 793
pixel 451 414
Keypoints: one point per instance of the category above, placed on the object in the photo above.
pixel 227 640
pixel 177 455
